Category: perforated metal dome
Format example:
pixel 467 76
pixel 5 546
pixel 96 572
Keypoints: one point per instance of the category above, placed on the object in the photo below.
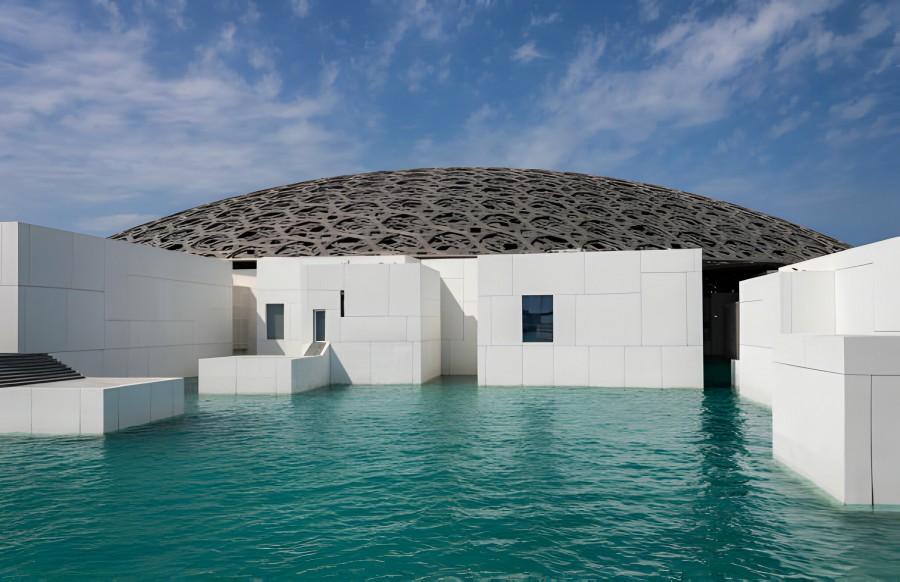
pixel 472 211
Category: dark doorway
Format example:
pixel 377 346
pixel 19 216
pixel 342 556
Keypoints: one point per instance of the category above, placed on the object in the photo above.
pixel 721 321
pixel 319 325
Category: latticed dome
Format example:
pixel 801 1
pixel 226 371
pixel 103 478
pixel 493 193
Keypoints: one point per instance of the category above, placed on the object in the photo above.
pixel 474 211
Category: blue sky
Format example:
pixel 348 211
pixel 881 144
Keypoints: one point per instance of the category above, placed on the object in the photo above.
pixel 115 113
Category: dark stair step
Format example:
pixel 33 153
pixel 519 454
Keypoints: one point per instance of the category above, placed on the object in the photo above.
pixel 24 369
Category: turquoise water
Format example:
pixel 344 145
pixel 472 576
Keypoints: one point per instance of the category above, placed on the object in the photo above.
pixel 445 480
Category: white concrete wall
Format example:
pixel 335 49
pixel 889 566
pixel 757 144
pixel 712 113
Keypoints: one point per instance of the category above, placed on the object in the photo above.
pixel 631 318
pixel 110 308
pixel 821 429
pixel 853 292
pixel 390 332
pixel 244 312
pixel 866 287
pixel 459 314
pixel 834 411
pixel 89 406
pixel 764 312
pixel 819 343
pixel 264 374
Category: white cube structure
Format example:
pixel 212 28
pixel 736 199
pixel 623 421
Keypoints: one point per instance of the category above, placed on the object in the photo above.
pixel 110 308
pixel 282 375
pixel 820 344
pixel 380 315
pixel 627 318
pixel 89 406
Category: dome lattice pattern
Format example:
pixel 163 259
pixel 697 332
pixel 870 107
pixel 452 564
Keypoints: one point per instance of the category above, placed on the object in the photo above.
pixel 472 211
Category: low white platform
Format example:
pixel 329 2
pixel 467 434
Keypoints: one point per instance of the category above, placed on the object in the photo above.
pixel 89 406
pixel 264 374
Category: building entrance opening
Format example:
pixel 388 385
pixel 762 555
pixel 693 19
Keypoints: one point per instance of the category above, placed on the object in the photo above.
pixel 319 325
pixel 720 316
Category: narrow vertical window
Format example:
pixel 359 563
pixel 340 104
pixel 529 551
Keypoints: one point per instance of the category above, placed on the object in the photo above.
pixel 274 321
pixel 537 318
pixel 342 303
pixel 319 325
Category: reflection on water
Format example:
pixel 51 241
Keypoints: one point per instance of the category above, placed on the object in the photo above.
pixel 723 528
pixel 445 479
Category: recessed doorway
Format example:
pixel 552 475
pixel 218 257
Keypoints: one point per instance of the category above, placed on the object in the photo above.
pixel 318 325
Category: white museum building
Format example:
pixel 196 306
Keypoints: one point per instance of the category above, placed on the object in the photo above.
pixel 233 298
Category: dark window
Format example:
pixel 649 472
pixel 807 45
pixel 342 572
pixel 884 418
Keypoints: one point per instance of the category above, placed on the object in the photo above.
pixel 342 303
pixel 537 318
pixel 274 321
pixel 319 325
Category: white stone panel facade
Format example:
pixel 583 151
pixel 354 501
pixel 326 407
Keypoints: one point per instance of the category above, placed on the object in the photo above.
pixel 459 314
pixel 818 343
pixel 613 314
pixel 389 331
pixel 853 292
pixel 89 406
pixel 110 308
pixel 264 374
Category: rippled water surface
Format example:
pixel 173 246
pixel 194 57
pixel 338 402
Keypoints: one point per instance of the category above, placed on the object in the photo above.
pixel 440 480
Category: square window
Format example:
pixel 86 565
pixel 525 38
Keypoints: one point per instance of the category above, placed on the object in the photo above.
pixel 274 321
pixel 537 318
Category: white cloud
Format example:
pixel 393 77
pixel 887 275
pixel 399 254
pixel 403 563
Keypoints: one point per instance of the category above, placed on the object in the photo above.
pixel 527 53
pixel 175 11
pixel 116 21
pixel 251 15
pixel 732 142
pixel 420 71
pixel 113 223
pixel 172 9
pixel 537 20
pixel 695 71
pixel 788 124
pixel 300 8
pixel 855 108
pixel 827 46
pixel 90 114
pixel 434 22
pixel 649 10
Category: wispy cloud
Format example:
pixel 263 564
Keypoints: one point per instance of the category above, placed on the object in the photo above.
pixel 542 20
pixel 430 21
pixel 697 71
pixel 90 114
pixel 855 108
pixel 300 8
pixel 788 124
pixel 420 71
pixel 527 53
pixel 116 21
pixel 649 10
pixel 827 46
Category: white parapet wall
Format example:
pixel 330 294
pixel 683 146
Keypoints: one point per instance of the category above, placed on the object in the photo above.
pixel 382 315
pixel 264 374
pixel 762 317
pixel 111 308
pixel 620 319
pixel 89 406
